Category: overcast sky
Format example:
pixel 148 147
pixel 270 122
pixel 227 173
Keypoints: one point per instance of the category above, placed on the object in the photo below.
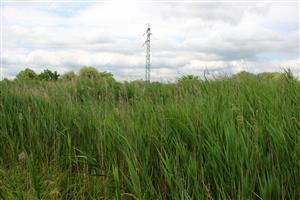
pixel 188 38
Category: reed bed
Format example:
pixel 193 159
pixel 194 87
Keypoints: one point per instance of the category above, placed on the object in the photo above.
pixel 229 138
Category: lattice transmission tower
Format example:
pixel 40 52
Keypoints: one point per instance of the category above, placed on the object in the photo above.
pixel 147 43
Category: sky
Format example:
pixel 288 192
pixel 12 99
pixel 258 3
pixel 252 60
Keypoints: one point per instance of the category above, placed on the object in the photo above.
pixel 189 37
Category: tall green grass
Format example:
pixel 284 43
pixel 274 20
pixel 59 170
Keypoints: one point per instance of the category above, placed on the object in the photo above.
pixel 228 138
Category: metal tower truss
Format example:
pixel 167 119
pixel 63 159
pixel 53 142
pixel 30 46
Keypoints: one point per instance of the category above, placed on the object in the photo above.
pixel 147 65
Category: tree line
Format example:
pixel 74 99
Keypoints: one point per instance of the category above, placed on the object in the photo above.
pixel 92 73
pixel 48 75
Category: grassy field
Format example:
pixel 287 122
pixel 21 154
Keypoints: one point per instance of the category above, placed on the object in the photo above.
pixel 231 138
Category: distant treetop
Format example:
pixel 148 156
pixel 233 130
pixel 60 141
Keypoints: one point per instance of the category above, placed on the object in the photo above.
pixel 26 74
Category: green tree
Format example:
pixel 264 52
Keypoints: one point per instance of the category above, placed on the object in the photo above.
pixel 243 75
pixel 106 75
pixel 48 75
pixel 93 73
pixel 271 75
pixel 26 74
pixel 68 76
pixel 89 72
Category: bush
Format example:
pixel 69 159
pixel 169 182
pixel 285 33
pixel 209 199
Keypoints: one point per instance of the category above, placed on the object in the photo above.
pixel 188 79
pixel 88 72
pixel 26 74
pixel 93 73
pixel 48 75
pixel 243 75
pixel 69 76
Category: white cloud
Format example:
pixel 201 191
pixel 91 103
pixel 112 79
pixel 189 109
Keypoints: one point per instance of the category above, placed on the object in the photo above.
pixel 188 38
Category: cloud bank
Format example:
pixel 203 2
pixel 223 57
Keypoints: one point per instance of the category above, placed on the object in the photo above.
pixel 188 38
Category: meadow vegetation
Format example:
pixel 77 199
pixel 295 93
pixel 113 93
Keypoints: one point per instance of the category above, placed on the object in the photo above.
pixel 88 136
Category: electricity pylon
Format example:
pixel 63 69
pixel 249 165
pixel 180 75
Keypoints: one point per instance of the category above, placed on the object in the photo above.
pixel 147 65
